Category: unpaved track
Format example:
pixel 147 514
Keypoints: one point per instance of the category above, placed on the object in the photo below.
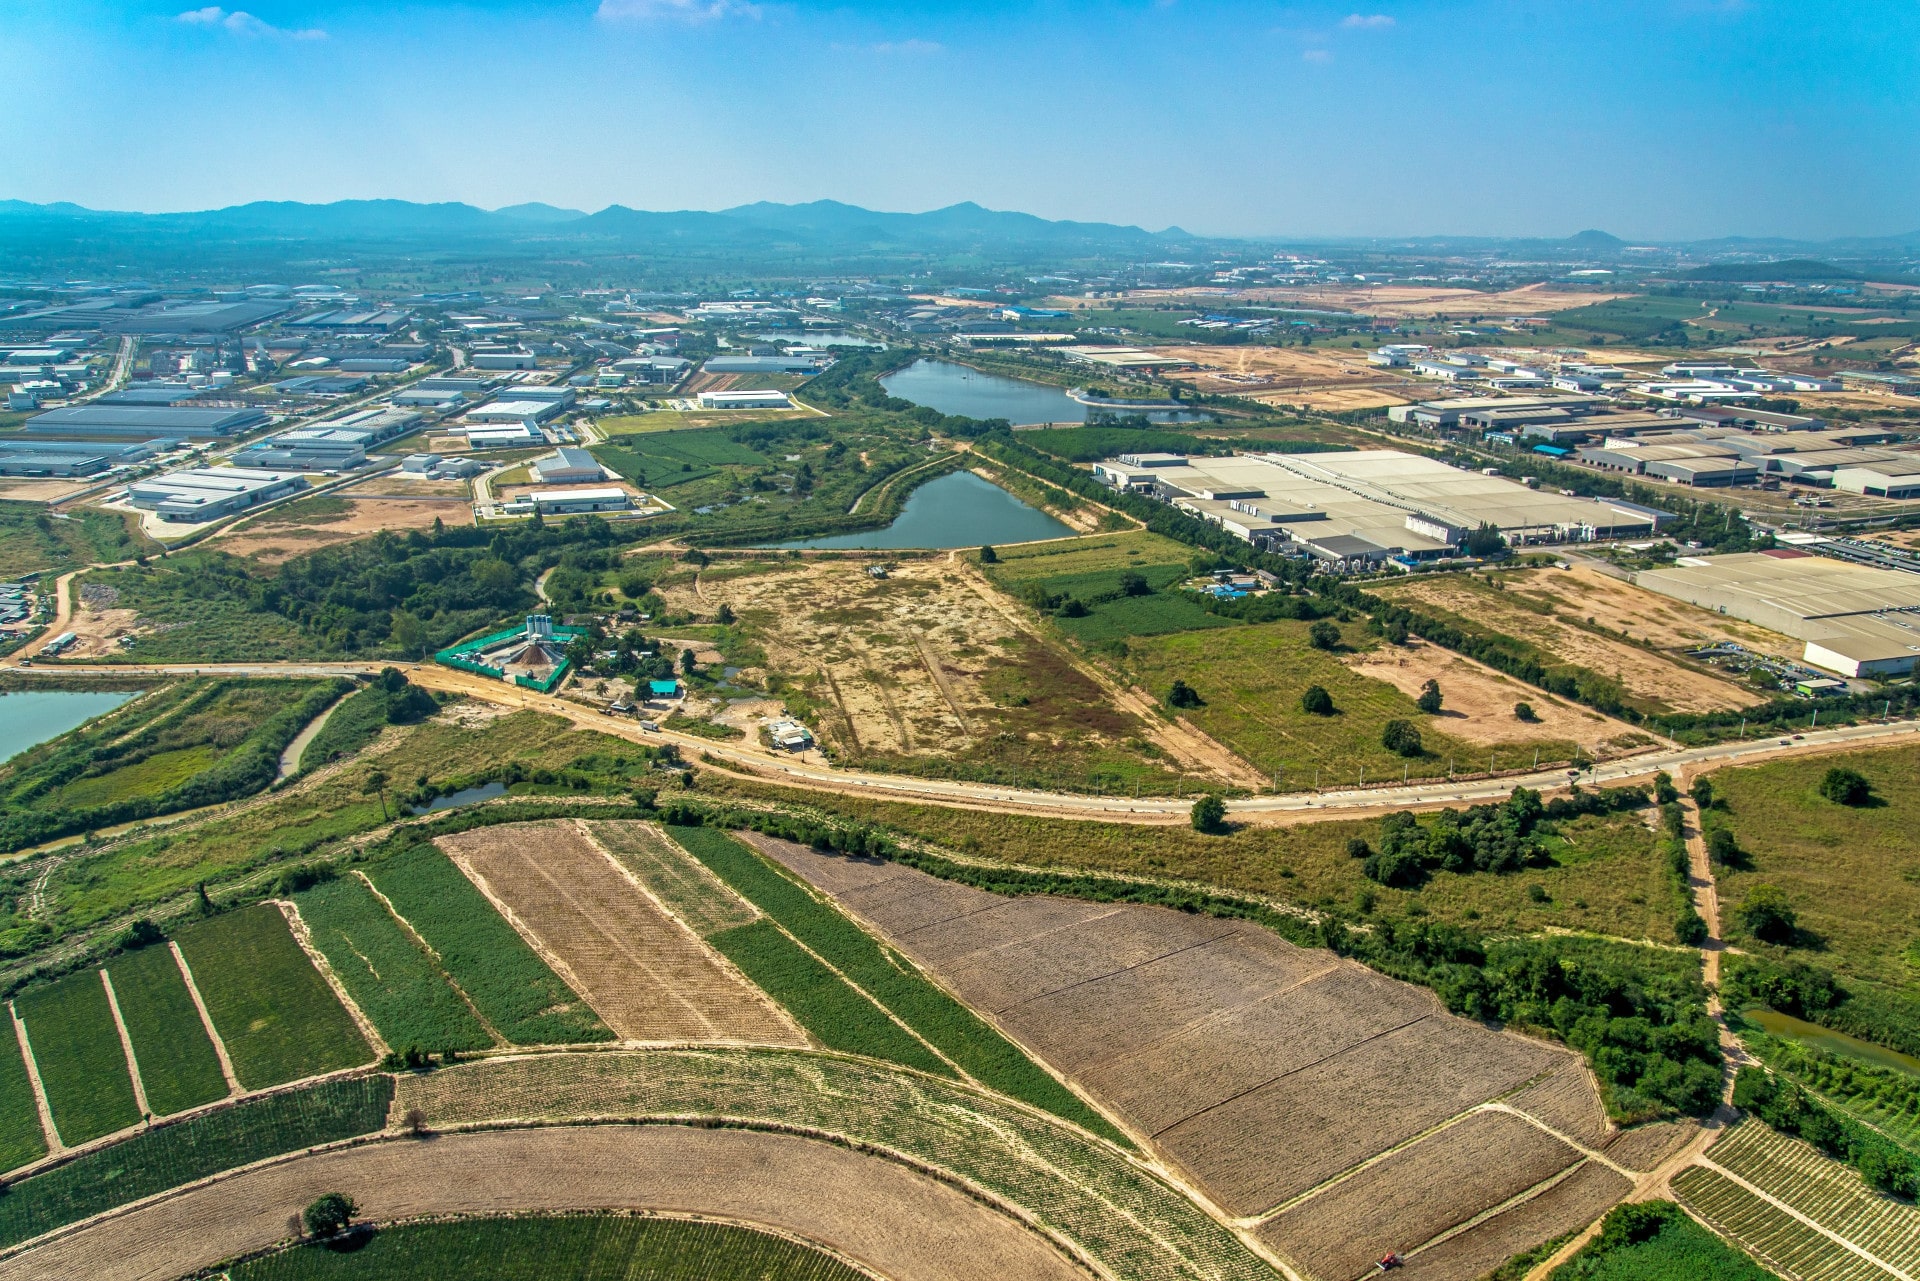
pixel 894 1220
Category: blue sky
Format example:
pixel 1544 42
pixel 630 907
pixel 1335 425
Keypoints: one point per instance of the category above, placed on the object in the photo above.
pixel 1648 118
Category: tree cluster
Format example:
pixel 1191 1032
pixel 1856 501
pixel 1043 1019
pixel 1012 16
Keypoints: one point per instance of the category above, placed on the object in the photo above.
pixel 1483 838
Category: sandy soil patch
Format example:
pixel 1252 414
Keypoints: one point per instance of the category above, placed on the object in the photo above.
pixel 98 623
pixel 25 490
pixel 403 485
pixel 1336 398
pixel 1647 674
pixel 1405 300
pixel 888 1218
pixel 1586 592
pixel 647 975
pixel 1477 702
pixel 1260 1068
pixel 274 537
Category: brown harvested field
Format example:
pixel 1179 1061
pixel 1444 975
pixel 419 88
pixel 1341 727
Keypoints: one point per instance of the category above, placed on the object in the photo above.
pixel 1567 1206
pixel 1415 1194
pixel 682 884
pixel 893 1220
pixel 646 974
pixel 1568 1104
pixel 279 535
pixel 1546 607
pixel 1261 1069
pixel 1643 1148
pixel 1478 701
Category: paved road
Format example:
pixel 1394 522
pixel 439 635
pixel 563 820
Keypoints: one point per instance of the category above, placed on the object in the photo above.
pixel 1282 808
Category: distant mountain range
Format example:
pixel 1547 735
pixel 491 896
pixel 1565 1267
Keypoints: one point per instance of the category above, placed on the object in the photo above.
pixel 822 225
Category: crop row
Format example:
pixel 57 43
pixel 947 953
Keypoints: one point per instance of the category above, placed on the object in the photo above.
pixel 77 1049
pixel 509 984
pixel 956 1031
pixel 1767 1232
pixel 392 981
pixel 1129 1221
pixel 169 1155
pixel 178 1066
pixel 278 1018
pixel 686 887
pixel 1822 1189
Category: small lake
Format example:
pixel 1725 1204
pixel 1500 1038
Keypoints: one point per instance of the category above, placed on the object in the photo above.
pixel 812 339
pixel 1788 1028
pixel 968 393
pixel 465 796
pixel 30 718
pixel 957 510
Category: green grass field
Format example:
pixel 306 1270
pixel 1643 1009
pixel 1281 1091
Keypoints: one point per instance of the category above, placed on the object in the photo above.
pixel 32 541
pixel 82 1063
pixel 663 460
pixel 1101 553
pixel 957 1032
pixel 1852 875
pixel 277 1016
pixel 21 1139
pixel 836 1015
pixel 507 981
pixel 354 723
pixel 1252 677
pixel 178 1066
pixel 169 1155
pixel 157 773
pixel 389 977
pixel 574 1248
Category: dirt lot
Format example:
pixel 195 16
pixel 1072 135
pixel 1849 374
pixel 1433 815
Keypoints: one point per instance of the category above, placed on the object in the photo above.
pixel 1478 701
pixel 893 1220
pixel 1261 1069
pixel 25 490
pixel 281 534
pixel 1322 378
pixel 917 666
pixel 1404 300
pixel 1546 607
pixel 646 974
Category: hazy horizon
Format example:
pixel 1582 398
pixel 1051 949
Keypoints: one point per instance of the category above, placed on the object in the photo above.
pixel 1662 120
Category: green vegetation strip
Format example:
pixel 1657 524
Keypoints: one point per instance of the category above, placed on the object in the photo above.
pixel 279 1019
pixel 82 1063
pixel 574 1248
pixel 507 981
pixel 178 1066
pixel 1128 1221
pixel 1656 1241
pixel 21 1139
pixel 396 984
pixel 891 979
pixel 170 1155
pixel 839 1017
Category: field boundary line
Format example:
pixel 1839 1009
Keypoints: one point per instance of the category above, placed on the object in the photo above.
pixel 234 1088
pixel 48 1130
pixel 1518 1199
pixel 126 1045
pixel 297 926
pixel 1707 1163
pixel 560 968
pixel 713 953
pixel 940 680
pixel 439 965
pixel 1591 1154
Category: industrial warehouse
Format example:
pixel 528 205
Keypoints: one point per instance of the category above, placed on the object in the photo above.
pixel 211 493
pixel 1361 507
pixel 1855 619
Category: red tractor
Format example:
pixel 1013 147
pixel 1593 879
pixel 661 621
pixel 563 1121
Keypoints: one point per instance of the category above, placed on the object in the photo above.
pixel 1389 1261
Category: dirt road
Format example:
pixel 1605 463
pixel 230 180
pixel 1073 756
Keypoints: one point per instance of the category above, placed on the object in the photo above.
pixel 896 1221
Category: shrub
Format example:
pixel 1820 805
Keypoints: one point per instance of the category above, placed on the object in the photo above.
pixel 1315 701
pixel 1184 695
pixel 1401 738
pixel 1323 635
pixel 1134 583
pixel 1690 928
pixel 1209 814
pixel 329 1214
pixel 1702 792
pixel 142 933
pixel 1664 792
pixel 1525 712
pixel 1767 915
pixel 1845 786
pixel 1429 700
pixel 1722 848
pixel 1357 847
pixel 988 556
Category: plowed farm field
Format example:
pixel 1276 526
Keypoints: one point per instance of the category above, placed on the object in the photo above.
pixel 646 974
pixel 1284 1081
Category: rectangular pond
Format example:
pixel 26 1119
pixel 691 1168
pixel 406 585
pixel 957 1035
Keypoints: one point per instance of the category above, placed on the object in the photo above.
pixel 969 393
pixel 31 717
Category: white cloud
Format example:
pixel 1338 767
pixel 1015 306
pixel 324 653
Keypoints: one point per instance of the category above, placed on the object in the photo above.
pixel 1316 55
pixel 674 10
pixel 909 47
pixel 1367 21
pixel 242 23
